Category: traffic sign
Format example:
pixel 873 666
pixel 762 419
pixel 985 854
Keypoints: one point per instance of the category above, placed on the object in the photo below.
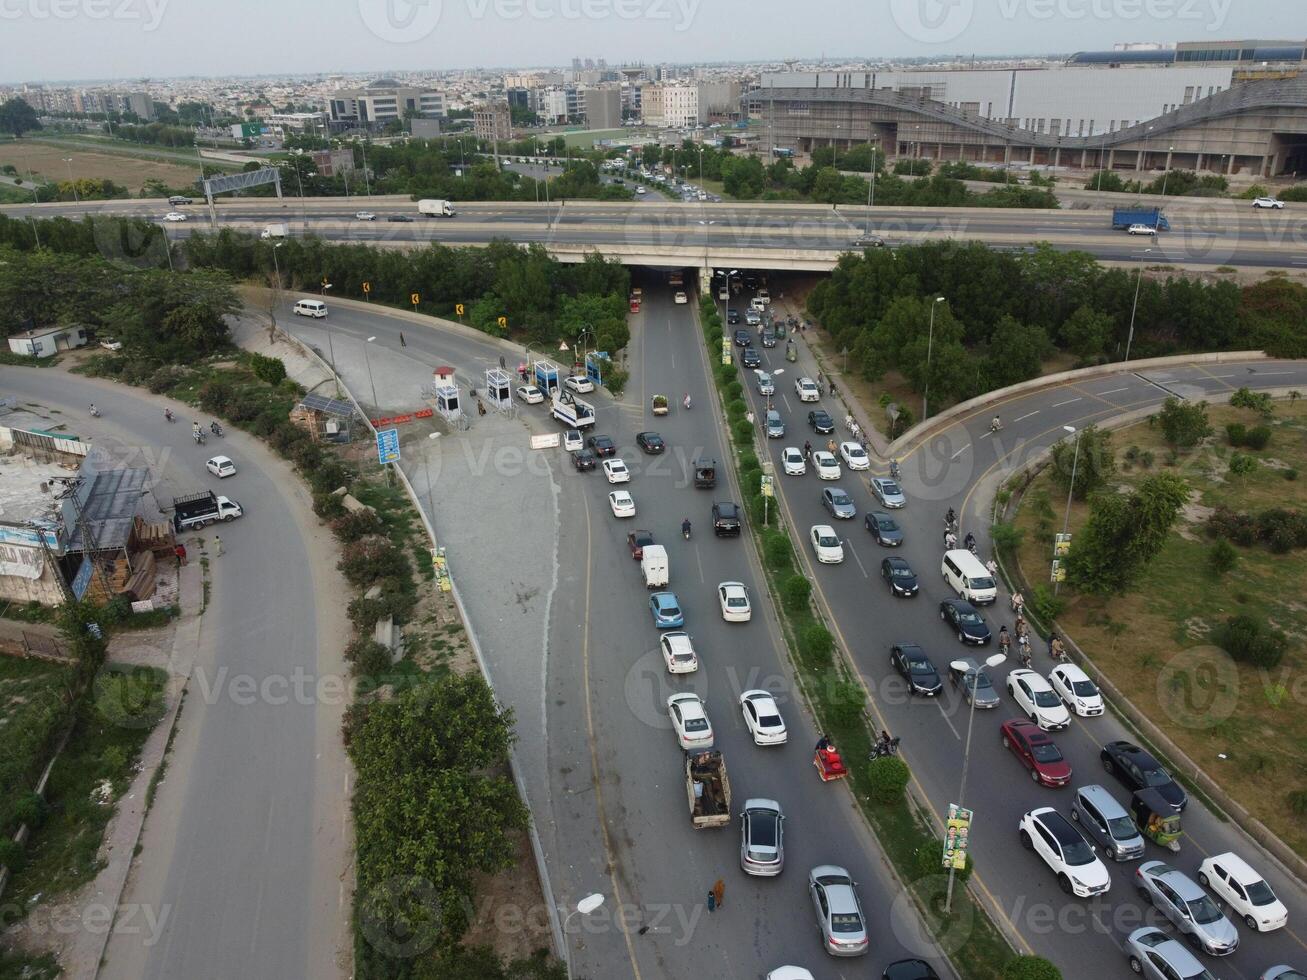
pixel 414 298
pixel 503 322
pixel 388 446
pixel 458 309
pixel 367 286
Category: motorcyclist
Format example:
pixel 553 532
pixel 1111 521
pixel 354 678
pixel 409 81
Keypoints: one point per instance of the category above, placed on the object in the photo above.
pixel 685 527
pixel 215 428
pixel 950 519
pixel 687 399
pixel 1055 648
pixel 1018 602
pixel 167 413
pixel 1023 641
pixel 807 449
pixel 995 424
pixel 894 468
pixel 970 541
pixel 950 540
pixel 1004 639
pixel 94 410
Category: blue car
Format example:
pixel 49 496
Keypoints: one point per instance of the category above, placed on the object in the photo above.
pixel 666 609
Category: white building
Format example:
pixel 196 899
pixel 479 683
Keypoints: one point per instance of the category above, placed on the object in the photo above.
pixel 48 341
pixel 384 101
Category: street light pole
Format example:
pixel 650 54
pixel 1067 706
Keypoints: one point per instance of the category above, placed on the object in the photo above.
pixel 331 348
pixel 1135 307
pixel 1166 176
pixel 1066 521
pixel 276 267
pixel 72 183
pixel 930 346
pixel 368 363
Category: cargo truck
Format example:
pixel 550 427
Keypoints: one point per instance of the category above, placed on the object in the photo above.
pixel 708 789
pixel 574 412
pixel 276 231
pixel 1123 218
pixel 436 208
pixel 197 510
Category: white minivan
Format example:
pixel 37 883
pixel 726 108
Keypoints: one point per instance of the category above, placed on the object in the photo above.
pixel 311 307
pixel 967 577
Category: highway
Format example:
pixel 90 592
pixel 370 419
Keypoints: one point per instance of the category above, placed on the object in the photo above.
pixel 958 466
pixel 243 848
pixel 1222 233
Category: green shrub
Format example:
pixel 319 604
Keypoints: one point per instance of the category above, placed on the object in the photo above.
pixel 734 389
pixel 12 855
pixel 749 460
pixel 368 657
pixel 166 379
pixel 267 369
pixel 1030 968
pixel 370 559
pixel 737 409
pixel 777 551
pixel 1044 604
pixel 888 778
pixel 795 591
pixel 1241 464
pixel 929 860
pixel 1222 557
pixel 1290 474
pixel 1258 401
pixel 615 379
pixel 848 702
pixel 742 431
pixel 817 644
pixel 1249 641
pixel 1236 433
pixel 30 809
pixel 358 524
pixel 328 506
pixel 1258 436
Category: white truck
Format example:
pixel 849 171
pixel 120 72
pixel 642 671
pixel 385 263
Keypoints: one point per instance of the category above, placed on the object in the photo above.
pixel 654 567
pixel 572 411
pixel 436 208
pixel 197 510
pixel 276 231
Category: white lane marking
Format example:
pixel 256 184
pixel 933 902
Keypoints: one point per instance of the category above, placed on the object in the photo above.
pixel 960 451
pixel 1030 416
pixel 939 703
pixel 986 435
pixel 1224 375
pixel 856 558
pixel 1269 374
pixel 1070 402
pixel 1110 391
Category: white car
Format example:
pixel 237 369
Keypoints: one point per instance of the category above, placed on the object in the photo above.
pixel 855 456
pixel 622 503
pixel 530 394
pixel 1037 700
pixel 734 598
pixel 806 389
pixel 364 216
pixel 1138 229
pixel 690 722
pixel 1056 840
pixel 1232 879
pixel 678 653
pixel 763 718
pixel 826 465
pixel 579 383
pixel 221 467
pixel 174 216
pixel 640 190
pixel 572 441
pixel 1268 202
pixel 1076 690
pixel 680 297
pixel 826 544
pixel 616 471
pixel 793 462
pixel 765 384
pixel 110 344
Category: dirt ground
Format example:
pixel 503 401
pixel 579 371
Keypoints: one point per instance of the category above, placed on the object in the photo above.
pixel 48 162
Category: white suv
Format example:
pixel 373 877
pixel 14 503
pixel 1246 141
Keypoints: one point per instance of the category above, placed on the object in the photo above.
pixel 806 389
pixel 1055 839
pixel 1268 202
pixel 1037 700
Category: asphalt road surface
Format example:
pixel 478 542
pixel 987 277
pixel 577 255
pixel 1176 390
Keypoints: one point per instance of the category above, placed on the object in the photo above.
pixel 235 848
pixel 1080 936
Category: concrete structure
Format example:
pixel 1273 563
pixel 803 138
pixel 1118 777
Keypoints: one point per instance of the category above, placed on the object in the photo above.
pixel 329 163
pixel 47 341
pixel 382 102
pixel 492 121
pixel 602 107
pixel 424 128
pixel 71 101
pixel 298 122
pixel 684 105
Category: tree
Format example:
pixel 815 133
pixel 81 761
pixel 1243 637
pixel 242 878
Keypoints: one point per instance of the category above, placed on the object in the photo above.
pixel 1184 424
pixel 742 177
pixel 1086 332
pixel 17 117
pixel 1123 534
pixel 1095 466
pixel 1016 353
pixel 1030 968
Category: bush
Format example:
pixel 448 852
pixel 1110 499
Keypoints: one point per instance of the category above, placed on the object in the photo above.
pixel 1249 641
pixel 749 460
pixel 1232 526
pixel 1044 604
pixel 817 644
pixel 1258 401
pixel 165 379
pixel 1236 433
pixel 1184 424
pixel 267 369
pixel 1030 968
pixel 848 702
pixel 370 559
pixel 742 431
pixel 30 809
pixel 368 657
pixel 328 506
pixel 737 409
pixel 12 855
pixel 1222 557
pixel 929 860
pixel 615 379
pixel 1258 436
pixel 1290 474
pixel 1241 464
pixel 358 524
pixel 795 591
pixel 734 390
pixel 776 550
pixel 888 779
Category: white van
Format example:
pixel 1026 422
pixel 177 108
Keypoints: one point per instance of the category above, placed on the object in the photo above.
pixel 311 307
pixel 653 563
pixel 759 304
pixel 967 577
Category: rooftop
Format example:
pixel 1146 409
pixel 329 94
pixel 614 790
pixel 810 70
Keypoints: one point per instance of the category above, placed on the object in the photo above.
pixel 25 489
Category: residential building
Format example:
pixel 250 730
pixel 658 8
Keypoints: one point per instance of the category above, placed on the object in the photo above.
pixel 492 121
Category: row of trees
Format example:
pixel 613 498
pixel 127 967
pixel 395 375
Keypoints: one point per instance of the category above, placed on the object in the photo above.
pixel 1003 314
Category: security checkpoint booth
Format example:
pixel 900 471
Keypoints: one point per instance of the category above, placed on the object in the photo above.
pixel 546 377
pixel 445 393
pixel 499 389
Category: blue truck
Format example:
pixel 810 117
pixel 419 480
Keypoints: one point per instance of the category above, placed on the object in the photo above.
pixel 1152 217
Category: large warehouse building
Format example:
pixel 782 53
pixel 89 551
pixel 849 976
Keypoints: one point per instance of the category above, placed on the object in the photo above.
pixel 1232 106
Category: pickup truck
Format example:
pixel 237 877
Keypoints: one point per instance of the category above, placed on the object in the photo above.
pixel 708 789
pixel 197 510
pixel 574 412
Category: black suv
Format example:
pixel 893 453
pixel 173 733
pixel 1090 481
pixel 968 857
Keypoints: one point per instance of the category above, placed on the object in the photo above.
pixel 725 518
pixel 732 317
pixel 820 420
pixel 751 358
pixel 742 338
pixel 1137 769
pixel 583 459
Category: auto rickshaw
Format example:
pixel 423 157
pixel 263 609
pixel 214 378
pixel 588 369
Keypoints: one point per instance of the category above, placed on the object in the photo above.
pixel 826 760
pixel 791 352
pixel 659 405
pixel 781 327
pixel 1156 819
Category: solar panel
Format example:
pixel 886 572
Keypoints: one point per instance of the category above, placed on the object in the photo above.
pixel 321 403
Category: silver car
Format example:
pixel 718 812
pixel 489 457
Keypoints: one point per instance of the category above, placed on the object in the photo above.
pixel 839 503
pixel 762 851
pixel 888 492
pixel 968 676
pixel 839 913
pixel 1157 956
pixel 1192 910
pixel 1106 821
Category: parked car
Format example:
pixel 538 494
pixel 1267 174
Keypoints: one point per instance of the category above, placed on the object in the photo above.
pixel 915 667
pixel 1190 909
pixel 1055 839
pixel 899 576
pixel 1137 769
pixel 1036 751
pixel 839 913
pixel 762 851
pixel 962 618
pixel 1234 881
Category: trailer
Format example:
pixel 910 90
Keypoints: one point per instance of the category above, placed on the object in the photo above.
pixel 196 510
pixel 708 789
pixel 572 411
pixel 1123 218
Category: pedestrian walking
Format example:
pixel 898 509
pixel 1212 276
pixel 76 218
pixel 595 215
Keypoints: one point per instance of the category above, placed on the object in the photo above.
pixel 217 544
pixel 712 902
pixel 402 342
pixel 719 891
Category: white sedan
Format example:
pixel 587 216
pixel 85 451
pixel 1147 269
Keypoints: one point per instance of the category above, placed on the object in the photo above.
pixel 826 544
pixel 1076 690
pixel 364 216
pixel 680 297
pixel 690 722
pixel 826 465
pixel 678 652
pixel 579 382
pixel 1037 700
pixel 763 718
pixel 174 216
pixel 616 471
pixel 530 394
pixel 806 389
pixel 622 503
pixel 855 456
pixel 734 598
pixel 793 462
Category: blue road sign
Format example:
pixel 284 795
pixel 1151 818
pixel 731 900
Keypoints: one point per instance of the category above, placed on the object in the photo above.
pixel 388 446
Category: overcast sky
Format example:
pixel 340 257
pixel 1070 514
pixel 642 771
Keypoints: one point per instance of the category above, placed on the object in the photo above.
pixel 49 40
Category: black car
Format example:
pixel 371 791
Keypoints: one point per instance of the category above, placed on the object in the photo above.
pixel 884 529
pixel 602 445
pixel 899 576
pixel 1137 769
pixel 743 338
pixel 962 616
pixel 725 518
pixel 751 358
pixel 821 421
pixel 911 661
pixel 732 317
pixel 399 217
pixel 651 442
pixel 909 970
pixel 583 459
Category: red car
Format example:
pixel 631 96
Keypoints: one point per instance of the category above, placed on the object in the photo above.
pixel 637 540
pixel 1037 752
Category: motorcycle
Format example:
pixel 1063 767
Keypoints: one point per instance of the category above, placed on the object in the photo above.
pixel 883 749
pixel 685 530
pixel 686 403
pixel 95 412
pixel 995 425
pixel 199 438
pixel 167 414
pixel 894 469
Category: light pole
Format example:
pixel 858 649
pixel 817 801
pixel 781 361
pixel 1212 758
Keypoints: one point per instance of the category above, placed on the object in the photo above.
pixel 368 363
pixel 993 660
pixel 1066 521
pixel 331 349
pixel 583 331
pixel 930 346
pixel 72 183
pixel 276 268
pixel 1135 307
pixel 1166 176
pixel 367 181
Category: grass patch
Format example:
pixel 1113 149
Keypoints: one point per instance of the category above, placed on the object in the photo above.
pixel 95 768
pixel 33 716
pixel 15 965
pixel 27 612
pixel 1167 620
pixel 13 359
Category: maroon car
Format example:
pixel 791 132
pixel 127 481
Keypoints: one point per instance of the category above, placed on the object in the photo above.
pixel 1039 753
pixel 637 540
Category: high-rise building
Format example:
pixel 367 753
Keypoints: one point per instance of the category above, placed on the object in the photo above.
pixel 492 121
pixel 602 107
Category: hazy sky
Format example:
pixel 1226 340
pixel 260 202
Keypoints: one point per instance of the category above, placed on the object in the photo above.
pixel 46 40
